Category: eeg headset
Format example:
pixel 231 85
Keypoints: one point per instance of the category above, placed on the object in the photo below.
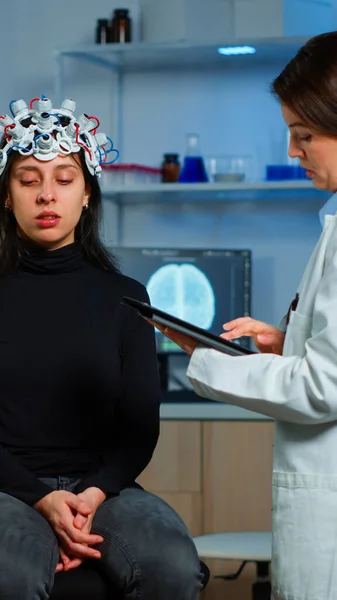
pixel 45 132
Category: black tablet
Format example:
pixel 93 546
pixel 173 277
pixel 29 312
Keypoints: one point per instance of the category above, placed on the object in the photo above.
pixel 204 337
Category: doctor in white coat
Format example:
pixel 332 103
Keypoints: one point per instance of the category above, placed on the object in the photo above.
pixel 294 378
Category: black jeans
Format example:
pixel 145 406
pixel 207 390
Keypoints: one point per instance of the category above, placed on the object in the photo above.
pixel 147 551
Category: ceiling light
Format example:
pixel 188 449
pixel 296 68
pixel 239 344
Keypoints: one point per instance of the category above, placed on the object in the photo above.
pixel 236 50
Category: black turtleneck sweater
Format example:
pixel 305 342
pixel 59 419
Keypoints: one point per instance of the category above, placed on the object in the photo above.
pixel 79 391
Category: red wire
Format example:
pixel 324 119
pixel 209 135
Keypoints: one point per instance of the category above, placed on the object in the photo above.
pixel 2 116
pixel 32 102
pixel 104 156
pixel 98 122
pixel 81 143
pixel 10 126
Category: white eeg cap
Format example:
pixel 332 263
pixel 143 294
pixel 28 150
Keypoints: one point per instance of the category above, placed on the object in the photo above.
pixel 45 132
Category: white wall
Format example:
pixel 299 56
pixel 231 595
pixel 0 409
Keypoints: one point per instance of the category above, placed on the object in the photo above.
pixel 231 109
pixel 30 32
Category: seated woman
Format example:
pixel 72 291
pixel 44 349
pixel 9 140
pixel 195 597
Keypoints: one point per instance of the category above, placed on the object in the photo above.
pixel 79 410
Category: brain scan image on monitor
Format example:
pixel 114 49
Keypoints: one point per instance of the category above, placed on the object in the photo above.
pixel 204 286
pixel 184 291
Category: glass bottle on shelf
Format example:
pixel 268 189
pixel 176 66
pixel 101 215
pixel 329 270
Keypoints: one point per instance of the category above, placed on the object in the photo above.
pixel 102 31
pixel 120 27
pixel 170 168
pixel 193 169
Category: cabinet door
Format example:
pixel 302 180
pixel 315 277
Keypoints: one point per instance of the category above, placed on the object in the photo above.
pixel 174 472
pixel 176 463
pixel 237 470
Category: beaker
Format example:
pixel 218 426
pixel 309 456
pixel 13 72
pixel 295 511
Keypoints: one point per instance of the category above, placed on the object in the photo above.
pixel 193 169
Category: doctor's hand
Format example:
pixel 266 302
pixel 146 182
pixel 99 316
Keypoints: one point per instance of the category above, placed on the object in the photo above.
pixel 184 341
pixel 267 338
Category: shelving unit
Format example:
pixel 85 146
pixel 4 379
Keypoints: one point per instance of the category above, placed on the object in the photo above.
pixel 120 59
pixel 267 191
pixel 271 196
pixel 145 56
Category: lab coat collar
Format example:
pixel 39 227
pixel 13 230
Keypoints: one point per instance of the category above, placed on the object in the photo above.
pixel 329 208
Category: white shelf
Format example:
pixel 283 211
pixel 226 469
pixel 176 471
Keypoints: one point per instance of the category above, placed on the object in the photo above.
pixel 267 192
pixel 144 56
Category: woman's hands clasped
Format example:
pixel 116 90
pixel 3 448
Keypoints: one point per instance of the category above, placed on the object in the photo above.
pixel 70 516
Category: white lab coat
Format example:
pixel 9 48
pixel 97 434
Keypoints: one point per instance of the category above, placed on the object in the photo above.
pixel 299 390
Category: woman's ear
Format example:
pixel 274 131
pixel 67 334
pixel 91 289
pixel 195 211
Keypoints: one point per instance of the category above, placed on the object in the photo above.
pixel 87 194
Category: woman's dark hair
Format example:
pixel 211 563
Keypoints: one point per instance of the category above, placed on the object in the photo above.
pixel 86 232
pixel 308 84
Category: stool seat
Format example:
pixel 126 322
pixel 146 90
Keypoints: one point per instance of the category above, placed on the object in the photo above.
pixel 245 546
pixel 241 545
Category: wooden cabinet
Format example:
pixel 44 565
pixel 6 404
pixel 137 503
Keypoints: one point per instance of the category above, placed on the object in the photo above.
pixel 175 466
pixel 174 472
pixel 217 476
pixel 237 470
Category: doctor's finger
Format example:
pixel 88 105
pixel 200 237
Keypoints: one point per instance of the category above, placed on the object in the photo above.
pixel 179 338
pixel 240 331
pixel 241 321
pixel 184 341
pixel 247 327
pixel 246 324
pixel 157 325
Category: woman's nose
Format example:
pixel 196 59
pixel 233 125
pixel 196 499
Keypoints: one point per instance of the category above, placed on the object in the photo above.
pixel 294 151
pixel 45 196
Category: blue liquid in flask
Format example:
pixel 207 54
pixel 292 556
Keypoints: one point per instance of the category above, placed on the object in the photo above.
pixel 193 169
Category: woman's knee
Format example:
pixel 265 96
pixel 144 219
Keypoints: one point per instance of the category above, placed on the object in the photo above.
pixel 23 531
pixel 23 581
pixel 157 544
pixel 170 557
pixel 28 551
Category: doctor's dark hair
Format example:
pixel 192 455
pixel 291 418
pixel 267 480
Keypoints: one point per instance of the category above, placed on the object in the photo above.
pixel 87 231
pixel 308 84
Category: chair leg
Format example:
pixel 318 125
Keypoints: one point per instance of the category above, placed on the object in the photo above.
pixel 261 589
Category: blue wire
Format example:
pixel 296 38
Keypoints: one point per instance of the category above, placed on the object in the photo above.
pixel 45 135
pixel 111 149
pixel 110 162
pixel 10 107
pixel 56 117
pixel 17 148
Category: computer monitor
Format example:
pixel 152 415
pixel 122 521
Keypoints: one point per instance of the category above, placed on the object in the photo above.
pixel 207 287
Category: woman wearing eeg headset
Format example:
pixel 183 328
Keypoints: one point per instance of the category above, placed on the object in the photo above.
pixel 79 390
pixel 294 377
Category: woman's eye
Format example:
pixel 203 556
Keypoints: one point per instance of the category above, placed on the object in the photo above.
pixel 65 181
pixel 28 182
pixel 305 138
